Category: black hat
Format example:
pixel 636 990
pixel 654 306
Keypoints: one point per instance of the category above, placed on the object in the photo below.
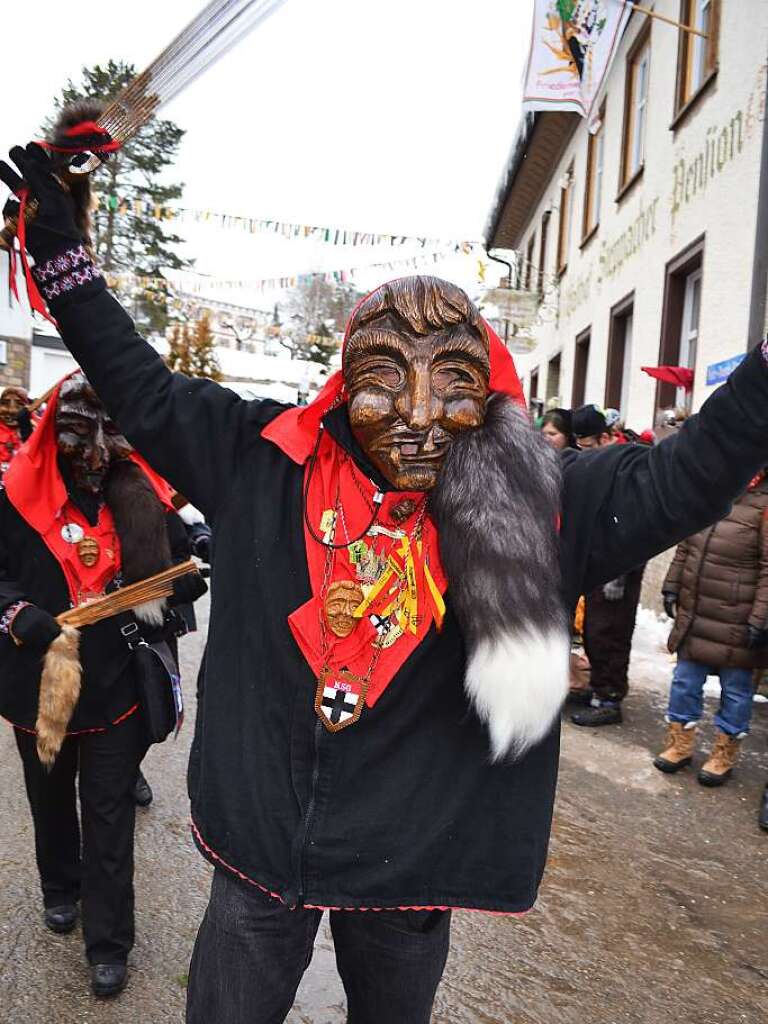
pixel 589 421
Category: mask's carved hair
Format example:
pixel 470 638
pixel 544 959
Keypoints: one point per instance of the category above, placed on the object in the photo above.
pixel 421 303
pixel 79 185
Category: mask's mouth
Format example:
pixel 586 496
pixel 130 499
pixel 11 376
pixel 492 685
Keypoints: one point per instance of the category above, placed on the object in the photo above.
pixel 91 479
pixel 414 451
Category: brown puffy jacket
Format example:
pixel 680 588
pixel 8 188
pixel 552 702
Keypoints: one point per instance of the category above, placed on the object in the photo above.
pixel 720 576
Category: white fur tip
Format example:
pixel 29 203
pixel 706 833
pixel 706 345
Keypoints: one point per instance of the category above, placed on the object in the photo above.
pixel 151 612
pixel 517 684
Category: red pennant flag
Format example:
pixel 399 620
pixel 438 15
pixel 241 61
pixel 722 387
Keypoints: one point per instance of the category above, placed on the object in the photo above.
pixel 680 376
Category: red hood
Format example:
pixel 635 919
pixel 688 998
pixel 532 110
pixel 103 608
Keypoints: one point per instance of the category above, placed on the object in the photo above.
pixel 295 430
pixel 34 484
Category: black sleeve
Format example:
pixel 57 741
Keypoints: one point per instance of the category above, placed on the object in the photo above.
pixel 190 431
pixel 181 549
pixel 10 590
pixel 645 500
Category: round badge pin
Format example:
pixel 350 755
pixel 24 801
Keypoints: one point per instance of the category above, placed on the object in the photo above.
pixel 72 533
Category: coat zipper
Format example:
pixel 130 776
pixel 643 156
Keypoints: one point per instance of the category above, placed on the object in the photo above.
pixel 310 806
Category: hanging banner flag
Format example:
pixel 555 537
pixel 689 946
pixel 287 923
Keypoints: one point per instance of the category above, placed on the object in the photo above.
pixel 288 230
pixel 572 47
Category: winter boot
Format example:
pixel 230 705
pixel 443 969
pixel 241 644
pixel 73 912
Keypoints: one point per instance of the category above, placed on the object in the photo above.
pixel 681 738
pixel 600 712
pixel 718 767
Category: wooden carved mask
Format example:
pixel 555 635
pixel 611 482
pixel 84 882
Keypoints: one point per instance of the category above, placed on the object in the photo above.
pixel 87 439
pixel 416 367
pixel 12 401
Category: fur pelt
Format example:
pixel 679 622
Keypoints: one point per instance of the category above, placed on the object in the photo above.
pixel 79 185
pixel 141 526
pixel 496 505
pixel 59 693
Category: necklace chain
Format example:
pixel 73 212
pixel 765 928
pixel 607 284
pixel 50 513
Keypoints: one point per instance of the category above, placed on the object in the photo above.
pixel 415 533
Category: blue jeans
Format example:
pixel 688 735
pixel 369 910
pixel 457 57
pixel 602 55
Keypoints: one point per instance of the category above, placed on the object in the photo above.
pixel 686 696
pixel 251 952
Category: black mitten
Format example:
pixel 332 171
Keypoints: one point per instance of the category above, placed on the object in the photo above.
pixel 187 589
pixel 756 638
pixel 34 627
pixel 53 229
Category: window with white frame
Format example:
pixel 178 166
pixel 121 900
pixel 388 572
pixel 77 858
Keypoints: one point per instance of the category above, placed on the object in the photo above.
pixel 636 108
pixel 689 331
pixel 698 55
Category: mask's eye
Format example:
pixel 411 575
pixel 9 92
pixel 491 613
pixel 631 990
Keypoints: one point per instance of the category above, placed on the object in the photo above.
pixel 450 376
pixel 78 429
pixel 379 372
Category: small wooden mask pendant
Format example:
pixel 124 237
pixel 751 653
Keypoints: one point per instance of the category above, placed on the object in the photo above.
pixel 342 599
pixel 88 550
pixel 403 510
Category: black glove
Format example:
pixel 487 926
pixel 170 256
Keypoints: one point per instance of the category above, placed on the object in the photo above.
pixel 670 603
pixel 200 540
pixel 187 589
pixel 33 627
pixel 53 229
pixel 756 637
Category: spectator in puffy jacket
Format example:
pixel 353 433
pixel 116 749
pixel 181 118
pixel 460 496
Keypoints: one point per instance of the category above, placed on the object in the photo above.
pixel 717 592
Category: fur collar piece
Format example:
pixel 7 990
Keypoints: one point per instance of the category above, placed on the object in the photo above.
pixel 496 505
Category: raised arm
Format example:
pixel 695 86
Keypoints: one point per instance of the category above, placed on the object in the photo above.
pixel 638 501
pixel 189 431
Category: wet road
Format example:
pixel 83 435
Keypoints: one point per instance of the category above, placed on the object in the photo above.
pixel 652 910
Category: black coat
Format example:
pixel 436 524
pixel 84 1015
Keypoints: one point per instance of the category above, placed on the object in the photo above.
pixel 29 572
pixel 403 809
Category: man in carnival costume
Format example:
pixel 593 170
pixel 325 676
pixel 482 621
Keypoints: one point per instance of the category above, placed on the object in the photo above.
pixel 15 424
pixel 395 567
pixel 80 514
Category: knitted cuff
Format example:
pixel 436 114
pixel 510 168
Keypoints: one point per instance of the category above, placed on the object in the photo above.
pixel 9 614
pixel 66 272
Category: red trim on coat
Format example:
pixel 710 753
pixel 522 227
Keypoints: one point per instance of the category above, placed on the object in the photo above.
pixel 311 906
pixel 78 732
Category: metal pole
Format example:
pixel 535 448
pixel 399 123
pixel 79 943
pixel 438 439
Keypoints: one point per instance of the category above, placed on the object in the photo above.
pixel 757 301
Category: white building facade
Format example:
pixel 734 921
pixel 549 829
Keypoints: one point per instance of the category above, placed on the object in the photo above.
pixel 646 238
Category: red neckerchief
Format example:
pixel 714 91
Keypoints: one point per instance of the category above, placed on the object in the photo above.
pixel 37 491
pixel 84 582
pixel 10 442
pixel 335 477
pixel 295 432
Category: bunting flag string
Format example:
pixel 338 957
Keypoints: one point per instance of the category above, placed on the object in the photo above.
pixel 202 283
pixel 285 229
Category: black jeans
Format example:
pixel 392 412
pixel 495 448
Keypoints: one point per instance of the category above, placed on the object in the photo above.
pixel 99 871
pixel 252 951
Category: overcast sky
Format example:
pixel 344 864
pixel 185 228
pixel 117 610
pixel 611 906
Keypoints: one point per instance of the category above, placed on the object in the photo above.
pixel 378 115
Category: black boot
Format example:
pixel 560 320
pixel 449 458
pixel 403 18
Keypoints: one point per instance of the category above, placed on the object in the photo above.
pixel 60 919
pixel 582 698
pixel 603 714
pixel 142 791
pixel 762 818
pixel 108 979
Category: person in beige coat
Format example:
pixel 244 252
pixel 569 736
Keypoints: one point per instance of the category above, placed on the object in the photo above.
pixel 716 590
